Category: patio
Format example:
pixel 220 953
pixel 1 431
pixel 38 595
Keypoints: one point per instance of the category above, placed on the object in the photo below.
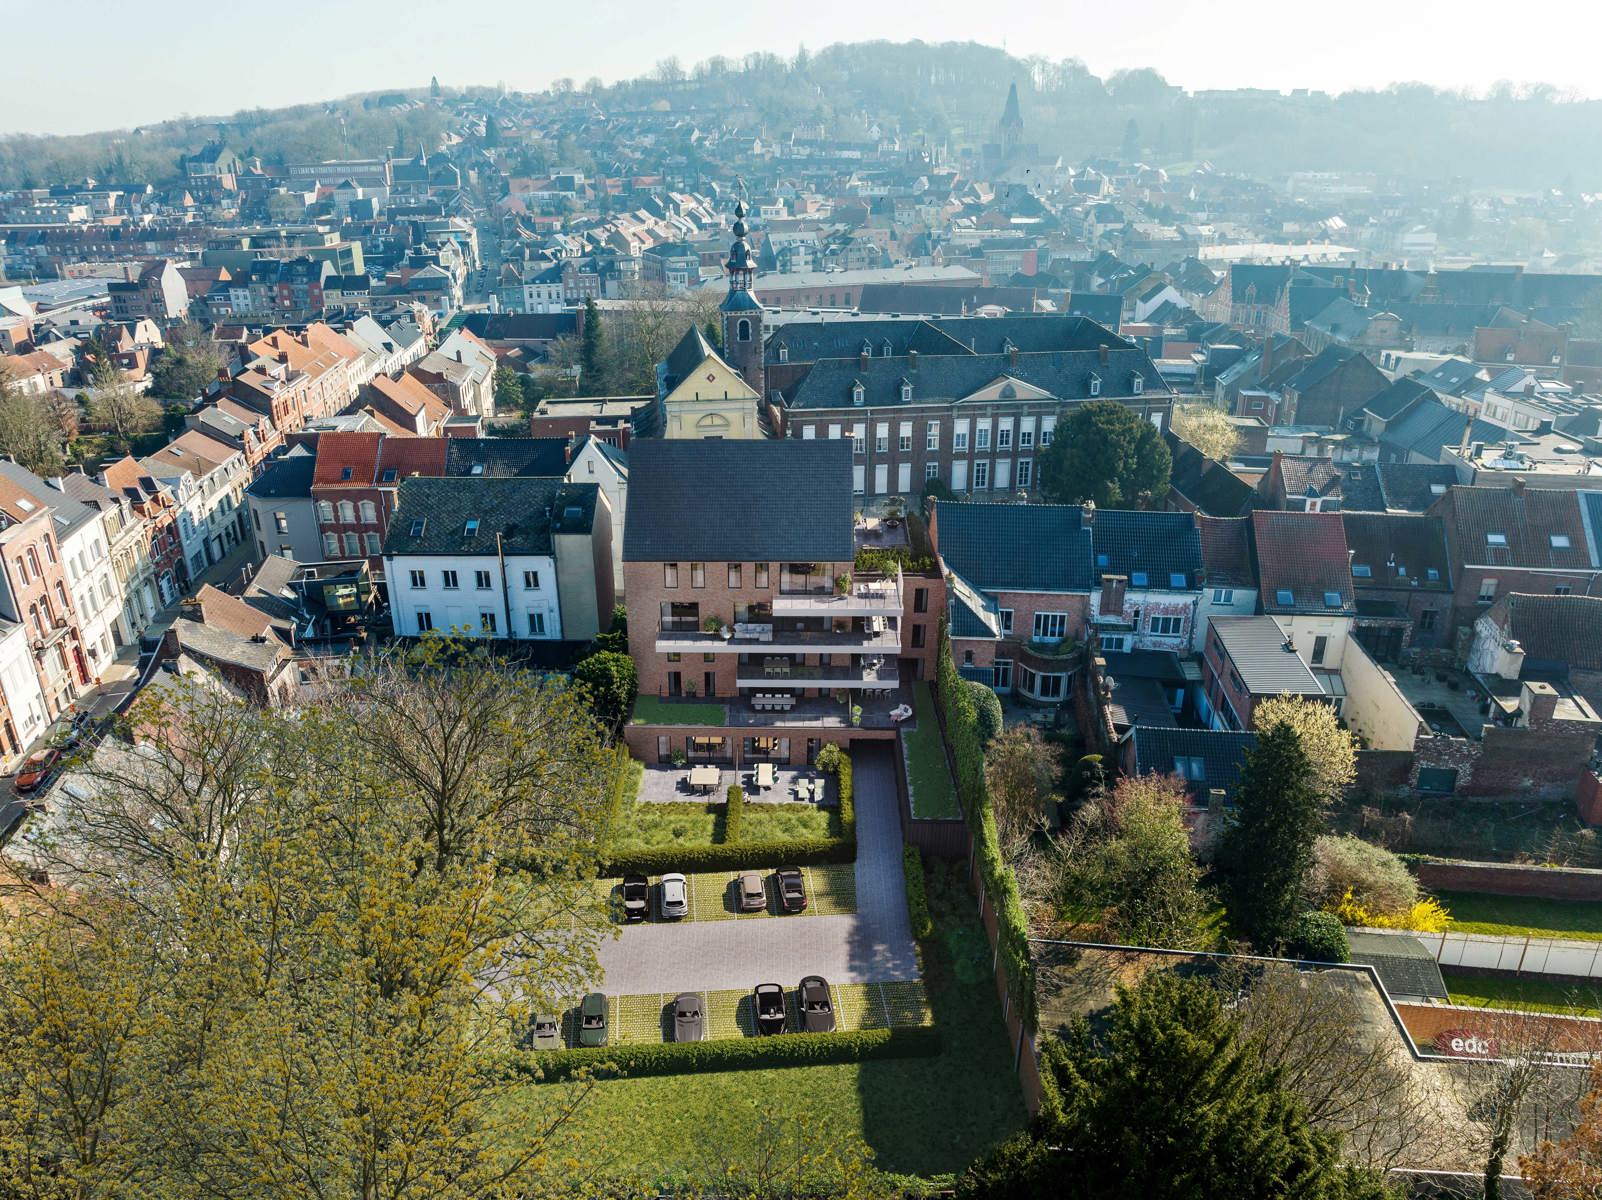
pixel 670 785
pixel 1454 711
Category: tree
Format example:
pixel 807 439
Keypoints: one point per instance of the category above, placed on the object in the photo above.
pixel 714 335
pixel 1330 750
pixel 987 707
pixel 28 433
pixel 1319 937
pixel 563 356
pixel 284 207
pixel 1130 148
pixel 591 352
pixel 1375 879
pixel 1206 428
pixel 611 681
pixel 1105 453
pixel 188 363
pixel 1020 775
pixel 1168 1102
pixel 508 389
pixel 119 407
pixel 1266 853
pixel 1571 1169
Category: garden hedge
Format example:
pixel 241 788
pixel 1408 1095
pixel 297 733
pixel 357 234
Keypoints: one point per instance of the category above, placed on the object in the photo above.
pixel 730 1054
pixel 734 814
pixel 917 895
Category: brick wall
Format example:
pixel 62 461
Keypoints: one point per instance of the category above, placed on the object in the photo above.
pixel 1540 764
pixel 1511 879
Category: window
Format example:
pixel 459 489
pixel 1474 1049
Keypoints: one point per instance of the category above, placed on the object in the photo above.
pixel 1190 768
pixel 486 622
pixel 1433 575
pixel 931 470
pixel 1024 472
pixel 1047 428
pixel 809 433
pixel 881 439
pixel 425 620
pixel 418 579
pixel 1004 615
pixel 1223 595
pixel 859 480
pixel 742 331
pixel 904 437
pixel 481 580
pixel 1487 591
pixel 346 474
pixel 1095 387
pixel 906 393
pixel 1004 437
pixel 330 546
pixel 1139 579
pixel 418 526
pixel 536 624
pixel 1562 589
pixel 931 436
pixel 1320 647
pixel 1050 626
pixel 670 575
pixel 920 600
pixel 281 522
pixel 959 440
pixel 448 579
pixel 389 475
pixel 981 476
pixel 1496 539
pixel 698 575
pixel 1137 385
pixel 1362 571
pixel 1026 439
pixel 347 511
pixel 1001 675
pixel 1285 598
pixel 734 575
pixel 1426 620
pixel 917 637
pixel 353 545
pixel 981 438
pixel 369 512
pixel 762 575
pixel 1165 626
pixel 1176 580
pixel 374 546
pixel 1442 781
pixel 857 393
pixel 325 511
pixel 531 581
pixel 1560 541
pixel 470 528
pixel 1332 600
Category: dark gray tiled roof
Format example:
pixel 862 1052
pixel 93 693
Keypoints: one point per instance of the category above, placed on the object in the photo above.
pixel 1396 399
pixel 1222 753
pixel 739 501
pixel 432 515
pixel 1155 545
pixel 1266 665
pixel 504 458
pixel 286 478
pixel 1016 547
pixel 1411 486
pixel 1404 964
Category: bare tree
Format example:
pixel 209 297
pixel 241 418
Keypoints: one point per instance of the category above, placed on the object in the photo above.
pixel 30 434
pixel 118 406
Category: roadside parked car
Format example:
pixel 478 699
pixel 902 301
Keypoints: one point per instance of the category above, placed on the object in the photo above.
pixel 753 892
pixel 545 1032
pixel 689 1022
pixel 673 897
pixel 636 897
pixel 792 889
pixel 36 769
pixel 592 1020
pixel 771 1016
pixel 815 1004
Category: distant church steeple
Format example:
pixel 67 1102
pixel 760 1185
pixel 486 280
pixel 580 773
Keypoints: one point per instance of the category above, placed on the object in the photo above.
pixel 1011 127
pixel 741 311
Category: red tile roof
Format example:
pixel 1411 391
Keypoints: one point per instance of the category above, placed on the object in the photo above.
pixel 1303 554
pixel 413 456
pixel 337 452
pixel 1515 527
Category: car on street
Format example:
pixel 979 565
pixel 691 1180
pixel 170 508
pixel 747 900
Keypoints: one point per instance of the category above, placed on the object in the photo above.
pixel 771 1017
pixel 792 889
pixel 636 897
pixel 545 1032
pixel 753 892
pixel 689 1022
pixel 673 896
pixel 815 1004
pixel 592 1020
pixel 36 769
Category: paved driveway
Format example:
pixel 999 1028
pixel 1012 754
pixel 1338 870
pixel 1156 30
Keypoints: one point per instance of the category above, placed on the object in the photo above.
pixel 874 945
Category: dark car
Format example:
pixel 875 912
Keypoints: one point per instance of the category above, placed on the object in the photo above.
pixel 689 1021
pixel 817 1008
pixel 545 1032
pixel 792 889
pixel 592 1020
pixel 36 769
pixel 771 1016
pixel 636 897
pixel 753 892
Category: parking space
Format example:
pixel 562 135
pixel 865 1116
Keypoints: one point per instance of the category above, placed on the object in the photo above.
pixel 714 895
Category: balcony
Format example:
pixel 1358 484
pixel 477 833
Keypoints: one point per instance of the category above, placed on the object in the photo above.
pixel 866 598
pixel 875 672
pixel 779 641
pixel 53 633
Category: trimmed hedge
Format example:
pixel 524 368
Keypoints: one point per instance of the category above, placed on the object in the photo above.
pixel 955 701
pixel 917 896
pixel 734 814
pixel 625 781
pixel 730 1054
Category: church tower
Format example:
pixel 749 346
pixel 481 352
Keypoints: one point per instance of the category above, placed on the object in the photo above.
pixel 742 311
pixel 1011 125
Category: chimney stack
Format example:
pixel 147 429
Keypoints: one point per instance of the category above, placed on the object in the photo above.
pixel 1518 486
pixel 1012 355
pixel 862 360
pixel 1103 353
pixel 912 360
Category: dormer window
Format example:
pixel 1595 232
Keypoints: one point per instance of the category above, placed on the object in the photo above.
pixel 784 354
pixel 1137 384
pixel 1095 385
pixel 906 392
pixel 885 348
pixel 858 393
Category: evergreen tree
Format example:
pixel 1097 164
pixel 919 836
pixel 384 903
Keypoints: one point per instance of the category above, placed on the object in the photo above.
pixel 1106 453
pixel 591 349
pixel 1267 852
pixel 714 335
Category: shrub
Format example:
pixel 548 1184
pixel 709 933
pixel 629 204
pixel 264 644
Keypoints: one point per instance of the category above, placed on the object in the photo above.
pixel 734 814
pixel 1375 879
pixel 986 709
pixel 611 682
pixel 917 896
pixel 1319 937
pixel 724 857
pixel 732 1054
pixel 625 783
pixel 1425 916
pixel 829 756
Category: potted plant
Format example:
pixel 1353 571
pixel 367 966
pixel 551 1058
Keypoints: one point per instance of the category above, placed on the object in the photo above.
pixel 842 583
pixel 712 624
pixel 678 758
pixel 689 688
pixel 856 714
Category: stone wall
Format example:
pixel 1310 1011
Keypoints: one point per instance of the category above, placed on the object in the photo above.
pixel 1541 764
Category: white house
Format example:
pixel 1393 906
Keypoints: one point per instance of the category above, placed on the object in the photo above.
pixel 208 480
pixel 603 464
pixel 19 685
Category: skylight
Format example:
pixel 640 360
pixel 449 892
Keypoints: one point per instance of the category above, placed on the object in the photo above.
pixel 345 474
pixel 476 469
pixel 1101 560
pixel 418 525
pixel 390 474
pixel 471 528
pixel 1139 578
pixel 24 504
pixel 1332 600
pixel 1437 489
pixel 1176 579
pixel 1496 539
pixel 1434 575
pixel 1560 541
pixel 1362 571
pixel 1284 596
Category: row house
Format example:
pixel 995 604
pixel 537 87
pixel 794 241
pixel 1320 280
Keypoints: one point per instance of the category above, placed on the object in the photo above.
pixel 1402 581
pixel 354 485
pixel 156 572
pixel 746 612
pixel 207 479
pixel 158 292
pixel 33 594
pixel 1149 574
pixel 128 547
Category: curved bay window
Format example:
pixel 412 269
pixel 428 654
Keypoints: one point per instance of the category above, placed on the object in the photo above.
pixel 1041 685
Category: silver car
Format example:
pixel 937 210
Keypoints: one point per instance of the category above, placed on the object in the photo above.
pixel 673 897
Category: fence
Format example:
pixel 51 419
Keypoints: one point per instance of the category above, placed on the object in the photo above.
pixel 1569 958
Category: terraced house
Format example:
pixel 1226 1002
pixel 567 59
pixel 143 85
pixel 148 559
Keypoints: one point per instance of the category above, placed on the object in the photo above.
pixel 755 636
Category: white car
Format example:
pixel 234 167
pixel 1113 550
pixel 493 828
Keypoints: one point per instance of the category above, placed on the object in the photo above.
pixel 674 897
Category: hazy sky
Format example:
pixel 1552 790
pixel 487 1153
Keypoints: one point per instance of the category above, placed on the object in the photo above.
pixel 100 64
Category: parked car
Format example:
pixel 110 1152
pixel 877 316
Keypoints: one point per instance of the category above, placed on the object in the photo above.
pixel 592 1020
pixel 36 769
pixel 689 1022
pixel 815 1004
pixel 771 1015
pixel 636 897
pixel 792 889
pixel 753 892
pixel 673 899
pixel 545 1032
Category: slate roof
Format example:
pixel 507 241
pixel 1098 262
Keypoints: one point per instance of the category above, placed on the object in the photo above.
pixel 1410 487
pixel 1016 547
pixel 524 511
pixel 286 478
pixel 1138 701
pixel 504 458
pixel 1394 400
pixel 1429 426
pixel 1302 563
pixel 1320 367
pixel 1360 488
pixel 693 350
pixel 1405 966
pixel 809 341
pixel 1155 545
pixel 67 513
pixel 1263 659
pixel 1208 484
pixel 1452 376
pixel 739 501
pixel 1222 753
pixel 1502 527
pixel 1399 550
pixel 1561 632
pixel 1306 475
pixel 1226 551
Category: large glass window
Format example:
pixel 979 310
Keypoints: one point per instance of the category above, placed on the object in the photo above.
pixel 1050 626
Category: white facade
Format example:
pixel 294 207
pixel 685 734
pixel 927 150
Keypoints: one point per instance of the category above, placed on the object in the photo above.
pixel 208 509
pixel 591 465
pixel 1221 601
pixel 475 594
pixel 96 592
pixel 19 683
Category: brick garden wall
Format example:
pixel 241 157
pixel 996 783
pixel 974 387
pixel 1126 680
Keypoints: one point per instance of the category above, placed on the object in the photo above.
pixel 1541 764
pixel 1507 879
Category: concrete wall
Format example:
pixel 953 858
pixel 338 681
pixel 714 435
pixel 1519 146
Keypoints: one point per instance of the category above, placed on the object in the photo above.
pixel 1374 707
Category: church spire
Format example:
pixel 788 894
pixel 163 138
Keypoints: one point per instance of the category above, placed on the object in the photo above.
pixel 741 267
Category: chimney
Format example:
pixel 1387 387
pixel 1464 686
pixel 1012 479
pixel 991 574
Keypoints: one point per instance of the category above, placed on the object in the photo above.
pixel 1518 486
pixel 912 360
pixel 283 357
pixel 862 360
pixel 1012 355
pixel 1102 353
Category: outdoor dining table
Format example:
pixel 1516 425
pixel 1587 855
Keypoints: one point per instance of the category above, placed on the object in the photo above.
pixel 764 775
pixel 704 778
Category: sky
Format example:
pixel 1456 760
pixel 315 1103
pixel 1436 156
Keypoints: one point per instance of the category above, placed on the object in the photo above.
pixel 109 64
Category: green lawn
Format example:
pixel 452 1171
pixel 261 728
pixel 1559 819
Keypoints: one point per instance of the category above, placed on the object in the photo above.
pixel 925 1116
pixel 652 710
pixel 686 824
pixel 928 777
pixel 1521 916
pixel 1533 995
